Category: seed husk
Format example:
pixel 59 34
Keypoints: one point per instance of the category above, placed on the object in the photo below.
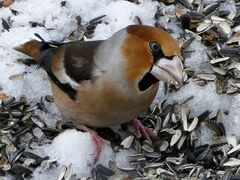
pixel 176 137
pixel 232 140
pixel 232 162
pixel 236 148
pixel 218 60
pixel 193 125
pixel 127 142
pixel 208 77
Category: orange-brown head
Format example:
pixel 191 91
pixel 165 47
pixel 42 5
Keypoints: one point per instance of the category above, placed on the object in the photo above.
pixel 151 55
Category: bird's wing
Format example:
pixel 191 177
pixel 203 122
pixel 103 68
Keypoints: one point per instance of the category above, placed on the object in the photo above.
pixel 69 64
pixel 79 60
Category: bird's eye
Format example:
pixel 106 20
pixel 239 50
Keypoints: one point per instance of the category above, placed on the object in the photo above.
pixel 156 50
pixel 155 47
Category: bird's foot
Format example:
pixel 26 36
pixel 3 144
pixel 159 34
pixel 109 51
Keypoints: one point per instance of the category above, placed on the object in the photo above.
pixel 98 141
pixel 147 133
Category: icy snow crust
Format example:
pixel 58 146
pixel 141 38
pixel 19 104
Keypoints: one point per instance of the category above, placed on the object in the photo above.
pixel 73 147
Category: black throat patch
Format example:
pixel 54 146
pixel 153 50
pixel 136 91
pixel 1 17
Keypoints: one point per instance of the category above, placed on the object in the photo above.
pixel 147 81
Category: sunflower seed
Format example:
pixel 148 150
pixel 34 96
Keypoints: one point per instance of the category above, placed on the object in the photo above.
pixel 234 149
pixel 193 124
pixel 202 27
pixel 232 162
pixel 127 142
pixel 181 141
pixel 17 76
pixel 208 77
pixel 175 137
pixel 232 140
pixel 219 70
pixel 184 117
pixel 40 123
pixel 218 60
pixel 147 146
pixel 163 146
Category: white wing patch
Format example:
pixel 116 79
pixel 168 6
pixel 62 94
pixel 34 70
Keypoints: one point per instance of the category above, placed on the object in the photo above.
pixel 64 78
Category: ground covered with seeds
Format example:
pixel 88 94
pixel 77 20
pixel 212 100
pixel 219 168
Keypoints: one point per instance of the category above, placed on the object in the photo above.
pixel 197 127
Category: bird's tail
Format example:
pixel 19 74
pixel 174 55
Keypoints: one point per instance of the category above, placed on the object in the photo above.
pixel 31 48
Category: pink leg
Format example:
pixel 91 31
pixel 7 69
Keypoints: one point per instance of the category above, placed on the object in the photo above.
pixel 98 141
pixel 147 133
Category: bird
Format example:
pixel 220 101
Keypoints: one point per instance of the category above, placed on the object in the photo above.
pixel 109 82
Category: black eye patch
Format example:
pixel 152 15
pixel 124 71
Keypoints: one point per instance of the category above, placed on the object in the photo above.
pixel 156 51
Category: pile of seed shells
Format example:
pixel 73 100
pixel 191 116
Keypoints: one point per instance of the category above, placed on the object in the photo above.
pixel 174 153
pixel 17 119
pixel 216 24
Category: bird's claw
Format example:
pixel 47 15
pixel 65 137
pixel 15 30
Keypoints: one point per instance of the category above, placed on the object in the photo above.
pixel 147 133
pixel 98 141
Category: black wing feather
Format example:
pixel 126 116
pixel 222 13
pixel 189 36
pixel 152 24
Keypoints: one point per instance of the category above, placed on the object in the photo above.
pixel 45 63
pixel 79 60
pixel 76 53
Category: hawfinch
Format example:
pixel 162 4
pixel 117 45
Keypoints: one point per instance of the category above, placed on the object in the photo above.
pixel 109 82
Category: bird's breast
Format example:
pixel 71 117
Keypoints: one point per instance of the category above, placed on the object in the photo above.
pixel 102 103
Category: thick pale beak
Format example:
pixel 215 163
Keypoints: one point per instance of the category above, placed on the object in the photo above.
pixel 170 71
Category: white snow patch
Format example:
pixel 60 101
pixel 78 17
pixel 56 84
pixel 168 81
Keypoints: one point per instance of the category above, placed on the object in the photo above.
pixel 205 98
pixel 115 20
pixel 75 148
pixel 122 158
pixel 37 132
pixel 198 59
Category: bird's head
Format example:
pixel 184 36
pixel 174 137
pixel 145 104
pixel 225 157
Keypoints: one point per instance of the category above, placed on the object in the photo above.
pixel 144 55
pixel 152 55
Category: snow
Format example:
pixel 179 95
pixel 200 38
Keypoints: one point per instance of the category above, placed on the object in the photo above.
pixel 202 98
pixel 74 147
pixel 77 149
pixel 122 158
pixel 62 146
pixel 198 59
pixel 37 132
pixel 115 20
